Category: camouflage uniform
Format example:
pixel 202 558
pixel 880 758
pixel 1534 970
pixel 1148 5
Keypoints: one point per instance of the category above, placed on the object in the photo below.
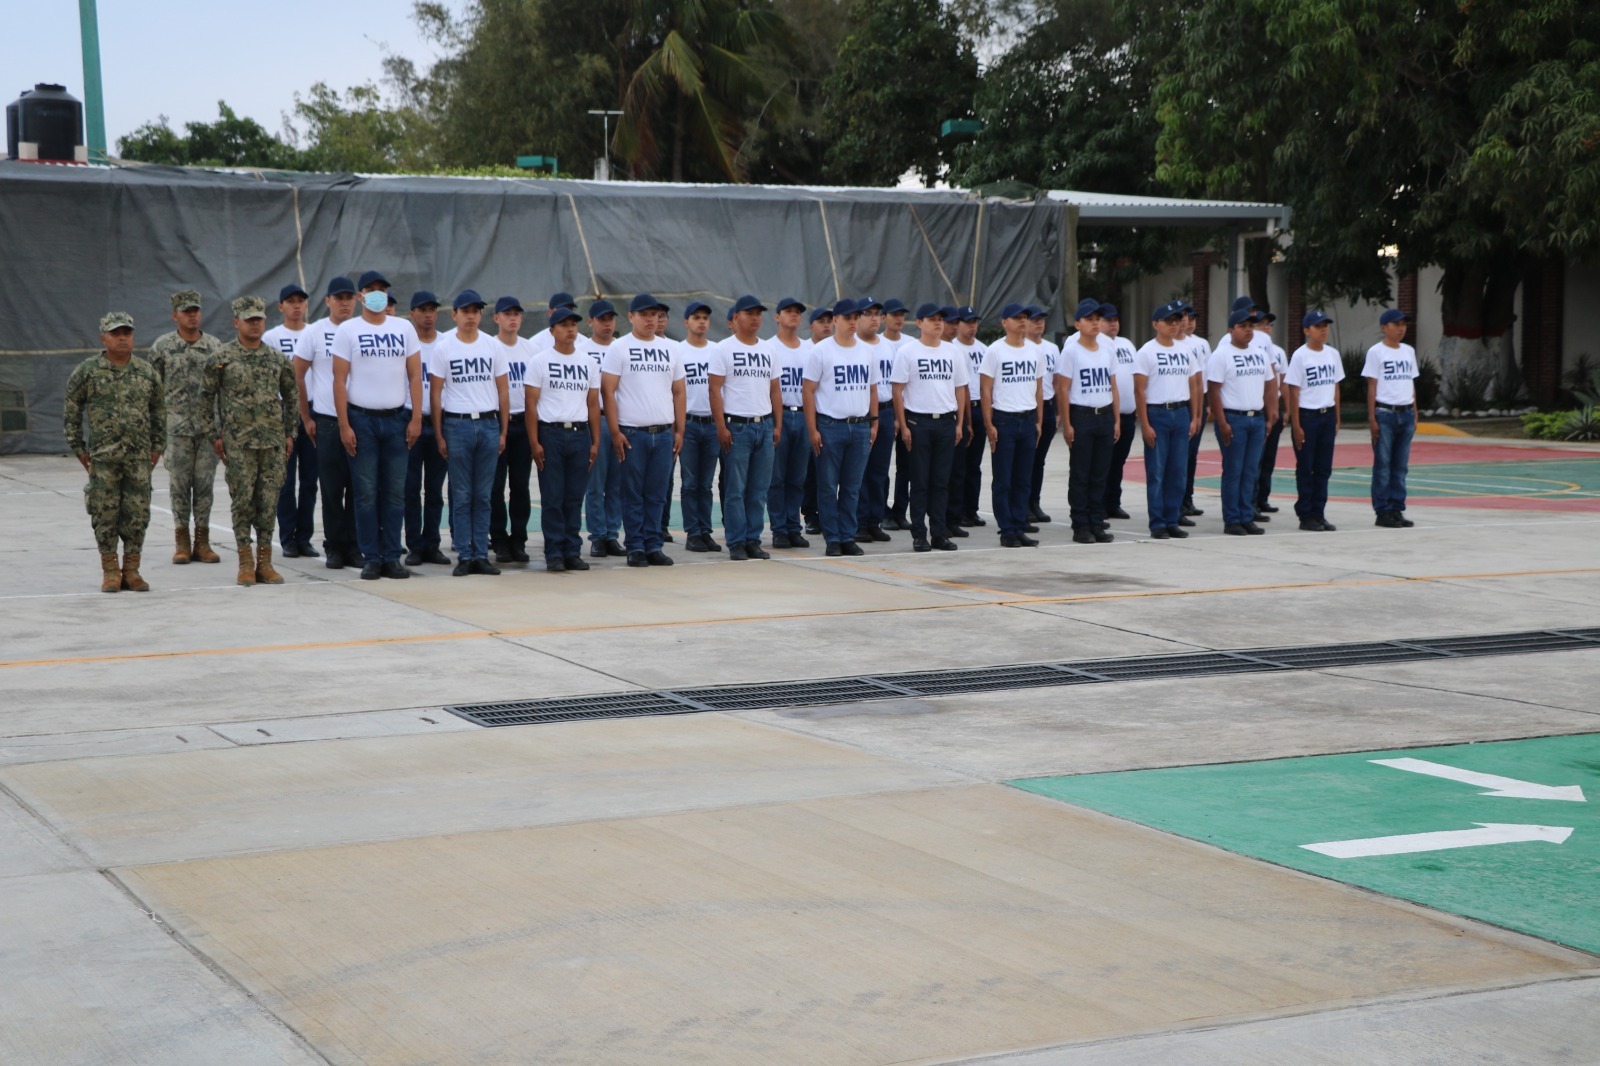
pixel 191 462
pixel 126 417
pixel 257 403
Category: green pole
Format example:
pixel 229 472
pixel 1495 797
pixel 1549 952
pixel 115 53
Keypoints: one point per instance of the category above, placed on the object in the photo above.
pixel 94 108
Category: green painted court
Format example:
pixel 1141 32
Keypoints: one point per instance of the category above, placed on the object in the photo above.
pixel 1414 830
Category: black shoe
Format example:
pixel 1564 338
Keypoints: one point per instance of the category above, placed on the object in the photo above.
pixel 1186 521
pixel 710 542
pixel 637 559
pixel 1117 512
pixel 736 553
pixel 896 522
pixel 436 557
pixel 1387 519
pixel 695 543
pixel 797 541
pixel 1311 525
pixel 833 550
pixel 1178 534
pixel 371 571
pixel 308 552
pixel 413 558
pixel 555 566
pixel 753 549
pixel 667 538
pixel 615 550
pixel 289 551
pixel 485 567
pixel 1235 530
pixel 658 558
pixel 971 519
pixel 1102 537
pixel 1030 528
pixel 1190 510
pixel 1160 533
pixel 1082 536
pixel 813 526
pixel 1101 525
pixel 1027 542
pixel 395 570
pixel 1267 507
pixel 503 555
pixel 574 562
pixel 1405 523
pixel 519 554
pixel 780 540
pixel 920 544
pixel 957 531
pixel 463 568
pixel 335 560
pixel 1253 529
pixel 1262 517
pixel 1008 540
pixel 1327 526
pixel 865 534
pixel 944 544
pixel 879 534
pixel 1040 516
pixel 850 547
pixel 597 549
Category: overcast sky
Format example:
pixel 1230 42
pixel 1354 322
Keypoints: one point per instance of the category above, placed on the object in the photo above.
pixel 179 57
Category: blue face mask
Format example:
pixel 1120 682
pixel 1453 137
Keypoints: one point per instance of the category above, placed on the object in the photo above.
pixel 376 301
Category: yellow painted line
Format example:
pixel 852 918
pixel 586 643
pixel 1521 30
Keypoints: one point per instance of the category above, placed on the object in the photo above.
pixel 1439 429
pixel 1015 599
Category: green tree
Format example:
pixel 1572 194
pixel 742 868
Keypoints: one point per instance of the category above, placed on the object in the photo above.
pixel 230 141
pixel 904 68
pixel 358 133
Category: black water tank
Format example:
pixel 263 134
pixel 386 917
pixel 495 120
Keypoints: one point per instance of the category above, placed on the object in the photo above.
pixel 45 123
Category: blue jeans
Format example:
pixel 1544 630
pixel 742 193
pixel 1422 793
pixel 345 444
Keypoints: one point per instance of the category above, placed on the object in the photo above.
pixel 297 501
pixel 646 480
pixel 1241 465
pixel 1011 472
pixel 1391 458
pixel 839 469
pixel 875 481
pixel 562 483
pixel 425 470
pixel 1166 465
pixel 789 463
pixel 748 473
pixel 602 505
pixel 1046 435
pixel 1313 462
pixel 378 474
pixel 474 452
pixel 698 463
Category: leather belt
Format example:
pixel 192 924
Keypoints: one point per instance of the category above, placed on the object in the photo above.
pixel 370 411
pixel 646 429
pixel 1392 406
pixel 1086 409
pixel 1169 405
pixel 700 418
pixel 563 425
pixel 746 419
pixel 786 407
pixel 850 419
pixel 931 414
pixel 1316 410
pixel 471 414
pixel 1242 414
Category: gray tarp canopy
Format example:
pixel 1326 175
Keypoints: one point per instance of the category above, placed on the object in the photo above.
pixel 78 241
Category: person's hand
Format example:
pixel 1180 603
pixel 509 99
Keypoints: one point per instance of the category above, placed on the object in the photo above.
pixel 288 448
pixel 994 438
pixel 1373 426
pixel 872 433
pixel 1224 433
pixel 1067 432
pixel 594 452
pixel 816 442
pixel 413 430
pixel 1299 437
pixel 1149 437
pixel 311 430
pixel 83 460
pixel 905 435
pixel 155 457
pixel 619 444
pixel 1194 426
pixel 444 449
pixel 538 453
pixel 677 442
pixel 347 437
pixel 1116 429
pixel 725 438
pixel 216 446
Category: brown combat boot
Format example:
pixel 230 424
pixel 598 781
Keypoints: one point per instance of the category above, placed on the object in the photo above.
pixel 130 573
pixel 110 573
pixel 202 546
pixel 265 574
pixel 247 566
pixel 181 556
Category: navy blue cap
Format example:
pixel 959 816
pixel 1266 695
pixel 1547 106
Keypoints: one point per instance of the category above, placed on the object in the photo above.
pixel 730 314
pixel 506 303
pixel 1035 311
pixel 601 308
pixel 562 299
pixel 846 306
pixel 341 285
pixel 788 302
pixel 694 307
pixel 392 301
pixel 1394 314
pixel 1186 307
pixel 1246 314
pixel 1266 316
pixel 930 310
pixel 1313 318
pixel 422 297
pixel 645 302
pixel 469 298
pixel 949 313
pixel 748 303
pixel 968 313
pixel 867 303
pixel 1087 308
pixel 1170 309
pixel 1244 303
pixel 371 278
pixel 821 312
pixel 562 314
pixel 1014 310
pixel 291 290
pixel 893 306
pixel 1109 311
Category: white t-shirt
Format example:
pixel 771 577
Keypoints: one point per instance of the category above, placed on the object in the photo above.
pixel 564 383
pixel 883 356
pixel 845 378
pixel 748 371
pixel 317 349
pixel 517 355
pixel 468 372
pixel 597 352
pixel 1016 373
pixel 791 370
pixel 286 340
pixel 1280 360
pixel 645 369
pixel 1089 373
pixel 1395 370
pixel 1052 366
pixel 931 376
pixel 1243 373
pixel 1167 369
pixel 1316 375
pixel 1125 353
pixel 1199 353
pixel 696 382
pixel 975 353
pixel 427 381
pixel 377 356
pixel 538 343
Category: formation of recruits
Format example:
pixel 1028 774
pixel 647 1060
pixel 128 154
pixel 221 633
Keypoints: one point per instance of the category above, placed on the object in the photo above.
pixel 380 411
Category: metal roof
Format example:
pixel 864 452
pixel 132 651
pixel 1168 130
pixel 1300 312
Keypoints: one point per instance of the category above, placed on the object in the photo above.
pixel 1117 209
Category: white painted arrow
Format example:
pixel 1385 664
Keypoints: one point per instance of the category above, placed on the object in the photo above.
pixel 1508 787
pixel 1489 833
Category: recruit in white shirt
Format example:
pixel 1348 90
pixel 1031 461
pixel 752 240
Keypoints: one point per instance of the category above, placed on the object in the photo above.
pixel 1016 372
pixel 1123 370
pixel 377 356
pixel 791 370
pixel 518 352
pixel 883 356
pixel 1395 371
pixel 1317 376
pixel 645 368
pixel 467 373
pixel 931 376
pixel 564 383
pixel 317 349
pixel 1166 369
pixel 286 340
pixel 1088 373
pixel 427 376
pixel 845 378
pixel 696 381
pixel 747 372
pixel 1243 374
pixel 975 353
pixel 1052 366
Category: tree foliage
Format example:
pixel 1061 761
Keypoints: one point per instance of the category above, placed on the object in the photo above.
pixel 230 141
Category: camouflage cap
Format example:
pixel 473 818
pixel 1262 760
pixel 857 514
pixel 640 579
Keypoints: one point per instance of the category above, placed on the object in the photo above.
pixel 184 299
pixel 115 320
pixel 249 307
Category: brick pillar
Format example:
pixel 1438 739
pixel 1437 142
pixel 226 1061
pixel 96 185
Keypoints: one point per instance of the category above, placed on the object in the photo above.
pixel 1202 262
pixel 1296 311
pixel 1543 308
pixel 1408 304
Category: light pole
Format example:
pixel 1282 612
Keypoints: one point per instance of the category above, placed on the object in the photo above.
pixel 94 108
pixel 605 125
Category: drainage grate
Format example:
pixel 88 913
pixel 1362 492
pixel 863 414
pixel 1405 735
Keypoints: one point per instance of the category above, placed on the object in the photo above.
pixel 929 683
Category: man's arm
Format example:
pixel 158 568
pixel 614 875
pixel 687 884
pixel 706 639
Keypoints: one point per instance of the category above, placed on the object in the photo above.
pixel 680 402
pixel 808 399
pixel 608 397
pixel 777 411
pixel 303 397
pixel 414 381
pixel 1224 431
pixel 1291 394
pixel 1372 408
pixel 897 392
pixel 986 401
pixel 72 416
pixel 530 415
pixel 341 404
pixel 714 391
pixel 1141 410
pixel 594 425
pixel 436 416
pixel 210 386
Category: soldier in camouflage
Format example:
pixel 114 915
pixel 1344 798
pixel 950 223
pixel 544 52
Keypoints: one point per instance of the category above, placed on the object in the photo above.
pixel 120 397
pixel 180 359
pixel 251 387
